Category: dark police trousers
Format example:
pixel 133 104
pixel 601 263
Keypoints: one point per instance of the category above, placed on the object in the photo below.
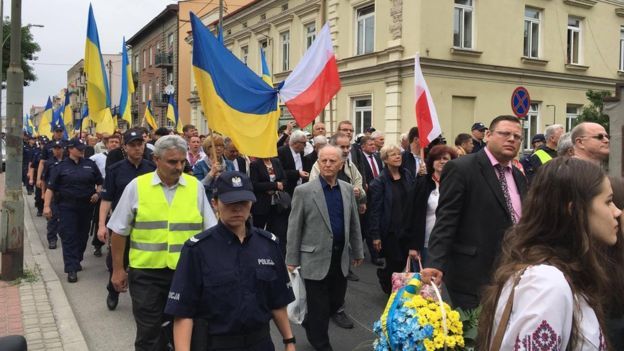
pixel 75 219
pixel 324 298
pixel 53 223
pixel 149 289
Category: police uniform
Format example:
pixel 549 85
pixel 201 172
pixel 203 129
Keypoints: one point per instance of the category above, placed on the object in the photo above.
pixel 27 155
pixel 36 157
pixel 46 152
pixel 73 184
pixel 53 222
pixel 231 287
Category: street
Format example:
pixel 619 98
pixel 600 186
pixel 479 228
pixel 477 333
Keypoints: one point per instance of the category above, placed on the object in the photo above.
pixel 115 330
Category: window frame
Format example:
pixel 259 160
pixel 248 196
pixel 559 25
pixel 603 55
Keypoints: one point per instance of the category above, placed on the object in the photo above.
pixel 462 26
pixel 528 37
pixel 621 65
pixel 244 54
pixel 530 127
pixel 144 59
pixel 358 113
pixel 570 116
pixel 309 37
pixel 151 56
pixel 170 41
pixel 570 46
pixel 362 50
pixel 285 47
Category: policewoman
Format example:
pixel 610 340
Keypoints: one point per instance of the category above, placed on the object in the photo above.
pixel 51 162
pixel 75 184
pixel 231 277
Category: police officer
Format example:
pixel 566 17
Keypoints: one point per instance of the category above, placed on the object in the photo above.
pixel 75 183
pixel 27 154
pixel 118 177
pixel 46 152
pixel 33 174
pixel 53 222
pixel 244 266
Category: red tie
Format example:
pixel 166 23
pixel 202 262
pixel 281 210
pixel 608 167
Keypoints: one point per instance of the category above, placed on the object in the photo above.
pixel 373 166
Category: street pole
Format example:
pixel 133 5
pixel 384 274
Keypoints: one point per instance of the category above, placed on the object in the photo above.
pixel 1 70
pixel 13 206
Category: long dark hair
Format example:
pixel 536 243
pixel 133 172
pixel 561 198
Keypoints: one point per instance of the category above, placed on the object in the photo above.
pixel 554 229
pixel 613 259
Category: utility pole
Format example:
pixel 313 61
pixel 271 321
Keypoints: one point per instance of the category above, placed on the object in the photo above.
pixel 13 206
pixel 1 70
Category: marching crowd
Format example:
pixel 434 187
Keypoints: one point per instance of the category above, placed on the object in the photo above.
pixel 204 237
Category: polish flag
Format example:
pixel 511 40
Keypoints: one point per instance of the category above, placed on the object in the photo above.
pixel 426 115
pixel 314 82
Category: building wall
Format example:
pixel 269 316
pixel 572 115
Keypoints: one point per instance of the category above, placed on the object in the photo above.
pixel 467 84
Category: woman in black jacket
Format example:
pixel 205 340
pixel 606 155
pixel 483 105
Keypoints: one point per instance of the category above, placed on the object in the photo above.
pixel 388 194
pixel 422 200
pixel 268 176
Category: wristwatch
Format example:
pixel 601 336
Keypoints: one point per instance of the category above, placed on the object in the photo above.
pixel 290 341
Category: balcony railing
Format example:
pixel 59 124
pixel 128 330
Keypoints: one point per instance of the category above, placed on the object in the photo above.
pixel 164 59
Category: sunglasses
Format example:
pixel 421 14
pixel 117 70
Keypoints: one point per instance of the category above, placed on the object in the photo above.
pixel 600 136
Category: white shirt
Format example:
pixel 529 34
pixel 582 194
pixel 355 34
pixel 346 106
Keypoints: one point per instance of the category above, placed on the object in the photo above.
pixel 370 158
pixel 417 163
pixel 544 305
pixel 124 215
pixel 430 215
pixel 298 162
pixel 100 161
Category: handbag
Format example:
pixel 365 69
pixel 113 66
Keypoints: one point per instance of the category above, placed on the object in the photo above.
pixel 497 341
pixel 400 279
pixel 298 308
pixel 282 200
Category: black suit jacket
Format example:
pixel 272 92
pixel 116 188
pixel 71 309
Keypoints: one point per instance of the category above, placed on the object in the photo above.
pixel 262 184
pixel 368 171
pixel 471 221
pixel 415 213
pixel 408 162
pixel 242 165
pixel 288 164
pixel 309 160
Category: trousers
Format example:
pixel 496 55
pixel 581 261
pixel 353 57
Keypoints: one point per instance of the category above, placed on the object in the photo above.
pixel 74 222
pixel 53 223
pixel 149 289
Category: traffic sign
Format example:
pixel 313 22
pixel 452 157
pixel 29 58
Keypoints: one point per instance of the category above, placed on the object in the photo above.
pixel 520 102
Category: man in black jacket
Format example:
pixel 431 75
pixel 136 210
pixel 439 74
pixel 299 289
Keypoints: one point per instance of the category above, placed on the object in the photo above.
pixel 291 157
pixel 480 198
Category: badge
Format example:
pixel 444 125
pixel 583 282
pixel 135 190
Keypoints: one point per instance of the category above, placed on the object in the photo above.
pixel 237 182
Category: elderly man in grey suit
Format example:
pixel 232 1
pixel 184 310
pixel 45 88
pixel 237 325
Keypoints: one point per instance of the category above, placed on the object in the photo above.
pixel 323 226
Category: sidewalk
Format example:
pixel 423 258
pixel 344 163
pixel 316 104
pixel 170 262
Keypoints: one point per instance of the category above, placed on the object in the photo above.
pixel 36 305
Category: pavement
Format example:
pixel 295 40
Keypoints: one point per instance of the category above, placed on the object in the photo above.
pixel 57 315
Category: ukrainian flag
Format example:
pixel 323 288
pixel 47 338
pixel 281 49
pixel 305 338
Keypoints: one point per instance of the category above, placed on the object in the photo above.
pixel 127 86
pixel 57 122
pixel 107 124
pixel 31 126
pixel 68 116
pixel 236 102
pixel 148 117
pixel 98 95
pixel 172 114
pixel 84 118
pixel 45 124
pixel 266 74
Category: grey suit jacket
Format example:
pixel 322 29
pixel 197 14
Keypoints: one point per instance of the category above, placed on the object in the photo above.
pixel 310 237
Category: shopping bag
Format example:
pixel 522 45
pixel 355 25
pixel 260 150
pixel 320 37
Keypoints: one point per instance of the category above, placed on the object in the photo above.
pixel 298 308
pixel 400 279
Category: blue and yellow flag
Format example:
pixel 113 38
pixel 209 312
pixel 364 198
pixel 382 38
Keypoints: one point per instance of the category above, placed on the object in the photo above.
pixel 45 124
pixel 107 125
pixel 57 122
pixel 148 117
pixel 68 116
pixel 98 95
pixel 84 117
pixel 236 102
pixel 30 129
pixel 127 86
pixel 266 73
pixel 172 114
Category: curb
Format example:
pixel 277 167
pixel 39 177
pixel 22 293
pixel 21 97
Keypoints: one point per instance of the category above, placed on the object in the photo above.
pixel 68 328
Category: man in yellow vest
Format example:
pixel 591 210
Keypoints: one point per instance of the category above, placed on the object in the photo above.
pixel 158 211
pixel 548 151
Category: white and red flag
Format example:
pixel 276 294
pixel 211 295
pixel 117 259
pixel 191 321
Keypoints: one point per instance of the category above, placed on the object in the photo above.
pixel 314 82
pixel 426 115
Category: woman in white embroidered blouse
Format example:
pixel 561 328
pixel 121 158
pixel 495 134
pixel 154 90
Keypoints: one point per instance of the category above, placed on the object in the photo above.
pixel 567 216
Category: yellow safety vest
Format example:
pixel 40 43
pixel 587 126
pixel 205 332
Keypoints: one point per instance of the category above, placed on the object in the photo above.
pixel 543 156
pixel 160 229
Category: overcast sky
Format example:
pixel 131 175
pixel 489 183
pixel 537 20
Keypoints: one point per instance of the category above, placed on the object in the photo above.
pixel 62 40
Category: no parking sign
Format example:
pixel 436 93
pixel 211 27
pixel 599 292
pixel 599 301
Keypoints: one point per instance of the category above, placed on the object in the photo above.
pixel 520 102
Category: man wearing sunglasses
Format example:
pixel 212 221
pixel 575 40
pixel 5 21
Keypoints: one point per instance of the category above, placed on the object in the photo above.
pixel 591 142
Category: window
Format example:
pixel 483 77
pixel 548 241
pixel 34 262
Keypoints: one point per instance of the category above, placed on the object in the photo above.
pixel 462 24
pixel 310 34
pixel 365 30
pixel 170 78
pixel 136 63
pixel 264 46
pixel 144 59
pixel 622 48
pixel 244 54
pixel 170 41
pixel 572 113
pixel 149 92
pixel 285 42
pixel 362 113
pixel 574 41
pixel 530 125
pixel 151 56
pixel 531 32
pixel 143 92
pixel 157 48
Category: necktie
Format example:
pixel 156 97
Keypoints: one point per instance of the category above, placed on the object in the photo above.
pixel 505 187
pixel 373 166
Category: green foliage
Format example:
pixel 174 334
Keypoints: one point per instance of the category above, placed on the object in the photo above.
pixel 593 111
pixel 470 321
pixel 29 49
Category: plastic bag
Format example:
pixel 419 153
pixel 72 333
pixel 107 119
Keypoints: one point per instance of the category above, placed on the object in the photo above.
pixel 298 308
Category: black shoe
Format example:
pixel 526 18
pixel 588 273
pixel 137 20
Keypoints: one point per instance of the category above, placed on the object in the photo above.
pixel 378 262
pixel 52 245
pixel 352 276
pixel 112 300
pixel 97 252
pixel 341 319
pixel 39 213
pixel 72 277
pixel 79 268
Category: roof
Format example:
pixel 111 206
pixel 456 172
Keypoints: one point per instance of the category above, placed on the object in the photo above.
pixel 169 11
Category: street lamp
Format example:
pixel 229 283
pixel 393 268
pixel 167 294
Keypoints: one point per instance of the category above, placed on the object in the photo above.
pixel 30 25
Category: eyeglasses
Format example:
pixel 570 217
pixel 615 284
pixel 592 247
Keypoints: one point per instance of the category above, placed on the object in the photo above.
pixel 346 130
pixel 506 135
pixel 599 136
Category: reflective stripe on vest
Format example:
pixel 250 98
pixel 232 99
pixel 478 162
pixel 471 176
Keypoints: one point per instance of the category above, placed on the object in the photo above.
pixel 160 229
pixel 543 156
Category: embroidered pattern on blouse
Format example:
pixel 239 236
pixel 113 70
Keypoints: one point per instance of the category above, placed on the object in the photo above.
pixel 603 343
pixel 544 338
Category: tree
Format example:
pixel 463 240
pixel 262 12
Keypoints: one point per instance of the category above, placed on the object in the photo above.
pixel 29 49
pixel 593 111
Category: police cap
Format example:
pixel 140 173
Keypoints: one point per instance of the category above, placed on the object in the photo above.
pixel 233 187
